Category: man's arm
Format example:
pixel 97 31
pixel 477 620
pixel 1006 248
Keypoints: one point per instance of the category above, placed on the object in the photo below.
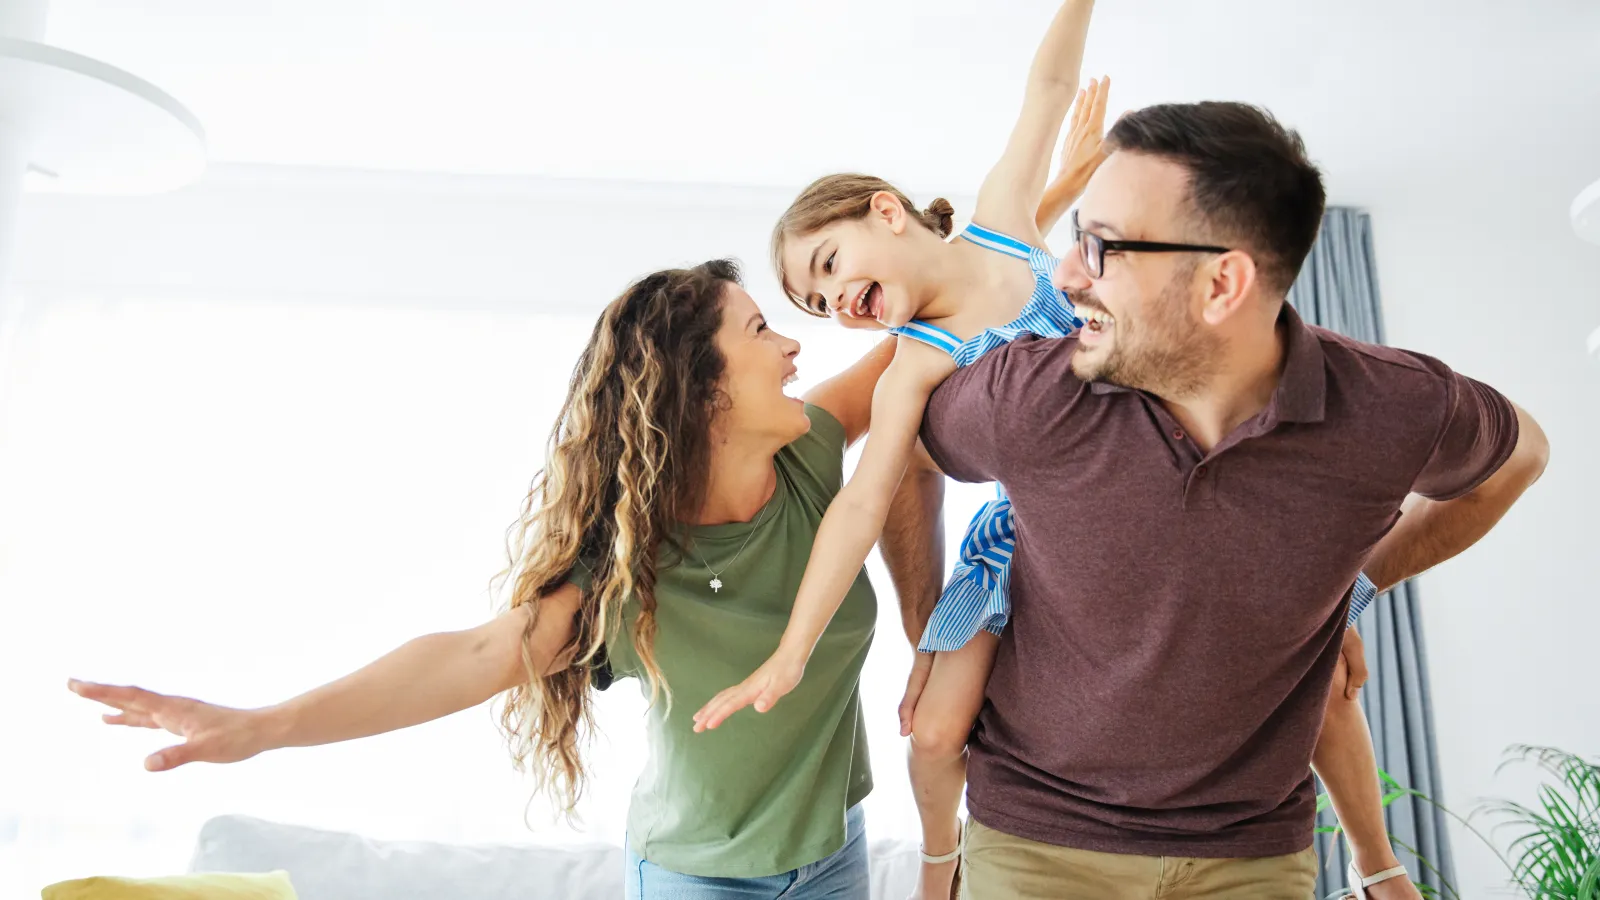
pixel 912 543
pixel 1432 531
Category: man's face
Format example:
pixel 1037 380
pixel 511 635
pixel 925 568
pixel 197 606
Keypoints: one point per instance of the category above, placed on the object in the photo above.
pixel 1144 328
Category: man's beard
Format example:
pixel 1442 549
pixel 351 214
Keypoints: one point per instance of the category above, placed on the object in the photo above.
pixel 1167 353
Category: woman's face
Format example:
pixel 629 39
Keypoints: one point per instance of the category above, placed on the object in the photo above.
pixel 856 271
pixel 759 364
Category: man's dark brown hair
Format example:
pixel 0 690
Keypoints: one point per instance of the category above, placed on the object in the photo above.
pixel 1251 185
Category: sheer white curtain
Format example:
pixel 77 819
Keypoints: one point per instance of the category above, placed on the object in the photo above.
pixel 242 499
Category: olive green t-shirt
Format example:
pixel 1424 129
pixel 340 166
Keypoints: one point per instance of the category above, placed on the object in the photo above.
pixel 765 793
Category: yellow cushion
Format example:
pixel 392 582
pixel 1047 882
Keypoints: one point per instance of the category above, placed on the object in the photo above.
pixel 271 886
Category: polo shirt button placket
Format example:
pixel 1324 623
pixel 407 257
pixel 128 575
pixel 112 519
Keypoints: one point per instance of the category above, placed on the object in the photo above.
pixel 1202 488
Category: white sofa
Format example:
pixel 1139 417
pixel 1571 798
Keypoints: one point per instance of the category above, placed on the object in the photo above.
pixel 327 865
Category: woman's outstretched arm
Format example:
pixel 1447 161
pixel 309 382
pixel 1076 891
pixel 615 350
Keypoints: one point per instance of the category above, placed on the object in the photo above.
pixel 422 680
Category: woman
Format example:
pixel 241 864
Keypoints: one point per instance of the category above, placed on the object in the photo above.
pixel 665 539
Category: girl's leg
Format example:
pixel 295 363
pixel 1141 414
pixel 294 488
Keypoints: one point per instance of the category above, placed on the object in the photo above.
pixel 938 756
pixel 1345 762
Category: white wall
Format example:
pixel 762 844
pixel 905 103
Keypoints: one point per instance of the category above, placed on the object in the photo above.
pixel 1489 277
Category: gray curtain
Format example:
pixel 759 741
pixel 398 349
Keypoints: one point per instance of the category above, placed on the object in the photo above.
pixel 1338 290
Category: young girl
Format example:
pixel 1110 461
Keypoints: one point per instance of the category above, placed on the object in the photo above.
pixel 867 257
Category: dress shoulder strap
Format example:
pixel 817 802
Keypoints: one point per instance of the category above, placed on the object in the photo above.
pixel 932 335
pixel 993 240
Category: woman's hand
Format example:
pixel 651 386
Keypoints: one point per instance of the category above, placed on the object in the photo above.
pixel 1086 133
pixel 764 688
pixel 427 678
pixel 214 734
pixel 1082 154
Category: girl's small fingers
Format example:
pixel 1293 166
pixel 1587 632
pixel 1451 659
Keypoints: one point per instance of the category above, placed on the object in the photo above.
pixel 707 711
pixel 714 712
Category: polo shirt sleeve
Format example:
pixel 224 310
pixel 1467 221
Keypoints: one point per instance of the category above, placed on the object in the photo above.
pixel 1477 433
pixel 963 423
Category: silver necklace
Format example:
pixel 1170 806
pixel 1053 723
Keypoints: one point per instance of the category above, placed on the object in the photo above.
pixel 716 576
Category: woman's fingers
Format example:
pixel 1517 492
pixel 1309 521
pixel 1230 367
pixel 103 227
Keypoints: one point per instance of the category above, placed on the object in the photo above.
pixel 175 756
pixel 130 719
pixel 123 698
pixel 1098 113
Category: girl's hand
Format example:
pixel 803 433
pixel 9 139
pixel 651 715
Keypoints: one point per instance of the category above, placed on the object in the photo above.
pixel 764 688
pixel 1083 152
pixel 214 734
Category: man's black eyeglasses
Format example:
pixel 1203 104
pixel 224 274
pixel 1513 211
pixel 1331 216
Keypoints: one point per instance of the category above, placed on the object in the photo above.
pixel 1092 248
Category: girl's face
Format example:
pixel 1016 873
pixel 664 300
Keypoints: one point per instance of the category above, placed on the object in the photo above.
pixel 857 271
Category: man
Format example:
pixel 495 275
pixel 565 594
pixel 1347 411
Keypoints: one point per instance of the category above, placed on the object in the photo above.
pixel 1198 477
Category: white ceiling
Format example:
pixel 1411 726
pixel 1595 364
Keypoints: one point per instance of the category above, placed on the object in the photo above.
pixel 775 92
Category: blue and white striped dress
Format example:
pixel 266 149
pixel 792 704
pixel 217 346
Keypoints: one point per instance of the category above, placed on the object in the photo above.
pixel 978 595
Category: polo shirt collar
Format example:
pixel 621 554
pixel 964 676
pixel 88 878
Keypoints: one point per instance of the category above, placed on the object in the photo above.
pixel 1302 392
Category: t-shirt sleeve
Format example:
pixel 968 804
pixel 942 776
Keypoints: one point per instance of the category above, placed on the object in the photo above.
pixel 1477 434
pixel 815 460
pixel 962 427
pixel 616 658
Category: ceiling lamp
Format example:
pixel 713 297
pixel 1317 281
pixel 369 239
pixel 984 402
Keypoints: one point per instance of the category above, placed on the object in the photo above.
pixel 73 124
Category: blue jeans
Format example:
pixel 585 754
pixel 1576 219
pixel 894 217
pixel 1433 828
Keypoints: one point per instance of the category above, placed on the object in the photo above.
pixel 842 876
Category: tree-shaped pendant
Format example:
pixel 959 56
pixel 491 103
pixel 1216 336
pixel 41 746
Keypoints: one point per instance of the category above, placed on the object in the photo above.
pixel 716 585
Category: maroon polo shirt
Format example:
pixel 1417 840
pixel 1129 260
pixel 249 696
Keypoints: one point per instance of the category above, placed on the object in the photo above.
pixel 1176 615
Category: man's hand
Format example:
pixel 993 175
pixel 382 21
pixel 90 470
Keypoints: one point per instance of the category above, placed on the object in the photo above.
pixel 1352 671
pixel 763 689
pixel 921 668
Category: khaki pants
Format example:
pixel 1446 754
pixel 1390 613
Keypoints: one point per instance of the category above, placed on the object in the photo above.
pixel 997 866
